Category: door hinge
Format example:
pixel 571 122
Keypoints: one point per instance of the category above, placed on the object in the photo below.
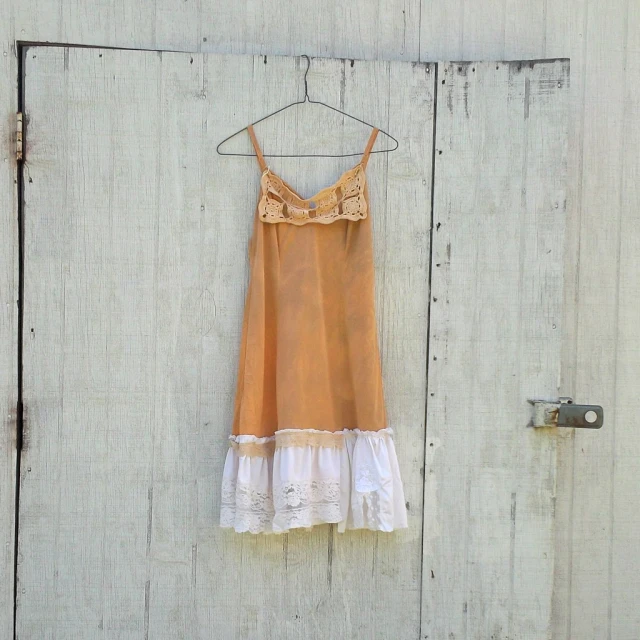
pixel 563 413
pixel 19 136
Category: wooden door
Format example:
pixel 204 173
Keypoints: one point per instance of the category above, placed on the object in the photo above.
pixel 135 271
pixel 494 342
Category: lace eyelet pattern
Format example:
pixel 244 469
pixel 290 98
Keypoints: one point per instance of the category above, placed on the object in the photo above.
pixel 303 477
pixel 343 200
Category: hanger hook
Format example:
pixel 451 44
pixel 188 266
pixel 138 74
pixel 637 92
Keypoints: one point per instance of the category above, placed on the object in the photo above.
pixel 306 94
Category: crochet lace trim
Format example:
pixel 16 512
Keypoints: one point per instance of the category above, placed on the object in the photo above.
pixel 349 477
pixel 265 447
pixel 343 200
pixel 288 506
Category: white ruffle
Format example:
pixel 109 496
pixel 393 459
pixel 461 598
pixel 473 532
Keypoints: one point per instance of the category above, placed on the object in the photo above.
pixel 356 486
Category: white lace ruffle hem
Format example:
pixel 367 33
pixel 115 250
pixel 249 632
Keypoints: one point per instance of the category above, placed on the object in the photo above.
pixel 355 484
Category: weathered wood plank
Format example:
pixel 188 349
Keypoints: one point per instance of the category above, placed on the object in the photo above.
pixel 327 29
pixel 525 29
pixel 183 313
pixel 89 359
pixel 9 256
pixel 545 204
pixel 598 327
pixel 483 25
pixel 499 200
pixel 625 526
pixel 488 30
pixel 564 37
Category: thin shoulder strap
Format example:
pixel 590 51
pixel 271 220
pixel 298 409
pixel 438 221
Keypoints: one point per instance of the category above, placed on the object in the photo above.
pixel 256 146
pixel 367 151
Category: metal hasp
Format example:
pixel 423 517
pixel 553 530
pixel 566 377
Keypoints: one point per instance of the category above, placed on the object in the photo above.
pixel 564 413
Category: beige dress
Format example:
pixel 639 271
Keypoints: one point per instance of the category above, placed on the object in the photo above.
pixel 310 442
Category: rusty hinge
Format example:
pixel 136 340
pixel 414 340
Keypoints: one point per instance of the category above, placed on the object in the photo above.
pixel 19 135
pixel 563 413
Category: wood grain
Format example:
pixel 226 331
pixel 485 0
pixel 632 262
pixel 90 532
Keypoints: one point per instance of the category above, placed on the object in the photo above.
pixel 496 307
pixel 91 353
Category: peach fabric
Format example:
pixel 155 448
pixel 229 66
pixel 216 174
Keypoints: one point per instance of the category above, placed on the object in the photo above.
pixel 309 354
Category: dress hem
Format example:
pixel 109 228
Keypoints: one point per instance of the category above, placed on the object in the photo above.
pixel 303 477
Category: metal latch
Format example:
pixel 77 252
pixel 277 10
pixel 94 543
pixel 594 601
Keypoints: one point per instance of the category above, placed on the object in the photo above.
pixel 563 413
pixel 19 135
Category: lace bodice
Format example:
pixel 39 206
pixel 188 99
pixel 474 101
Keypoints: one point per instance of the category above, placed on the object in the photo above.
pixel 347 198
pixel 344 199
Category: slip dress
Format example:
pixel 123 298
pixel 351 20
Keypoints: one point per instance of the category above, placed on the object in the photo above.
pixel 310 443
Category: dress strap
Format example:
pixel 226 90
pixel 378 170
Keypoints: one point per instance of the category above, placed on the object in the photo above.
pixel 367 151
pixel 256 146
pixel 263 164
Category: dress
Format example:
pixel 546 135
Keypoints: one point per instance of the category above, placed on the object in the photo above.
pixel 310 442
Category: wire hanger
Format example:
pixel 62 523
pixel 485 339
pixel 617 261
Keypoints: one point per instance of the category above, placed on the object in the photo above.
pixel 312 155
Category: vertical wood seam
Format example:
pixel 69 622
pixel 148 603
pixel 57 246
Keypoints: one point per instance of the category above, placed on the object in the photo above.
pixel 426 393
